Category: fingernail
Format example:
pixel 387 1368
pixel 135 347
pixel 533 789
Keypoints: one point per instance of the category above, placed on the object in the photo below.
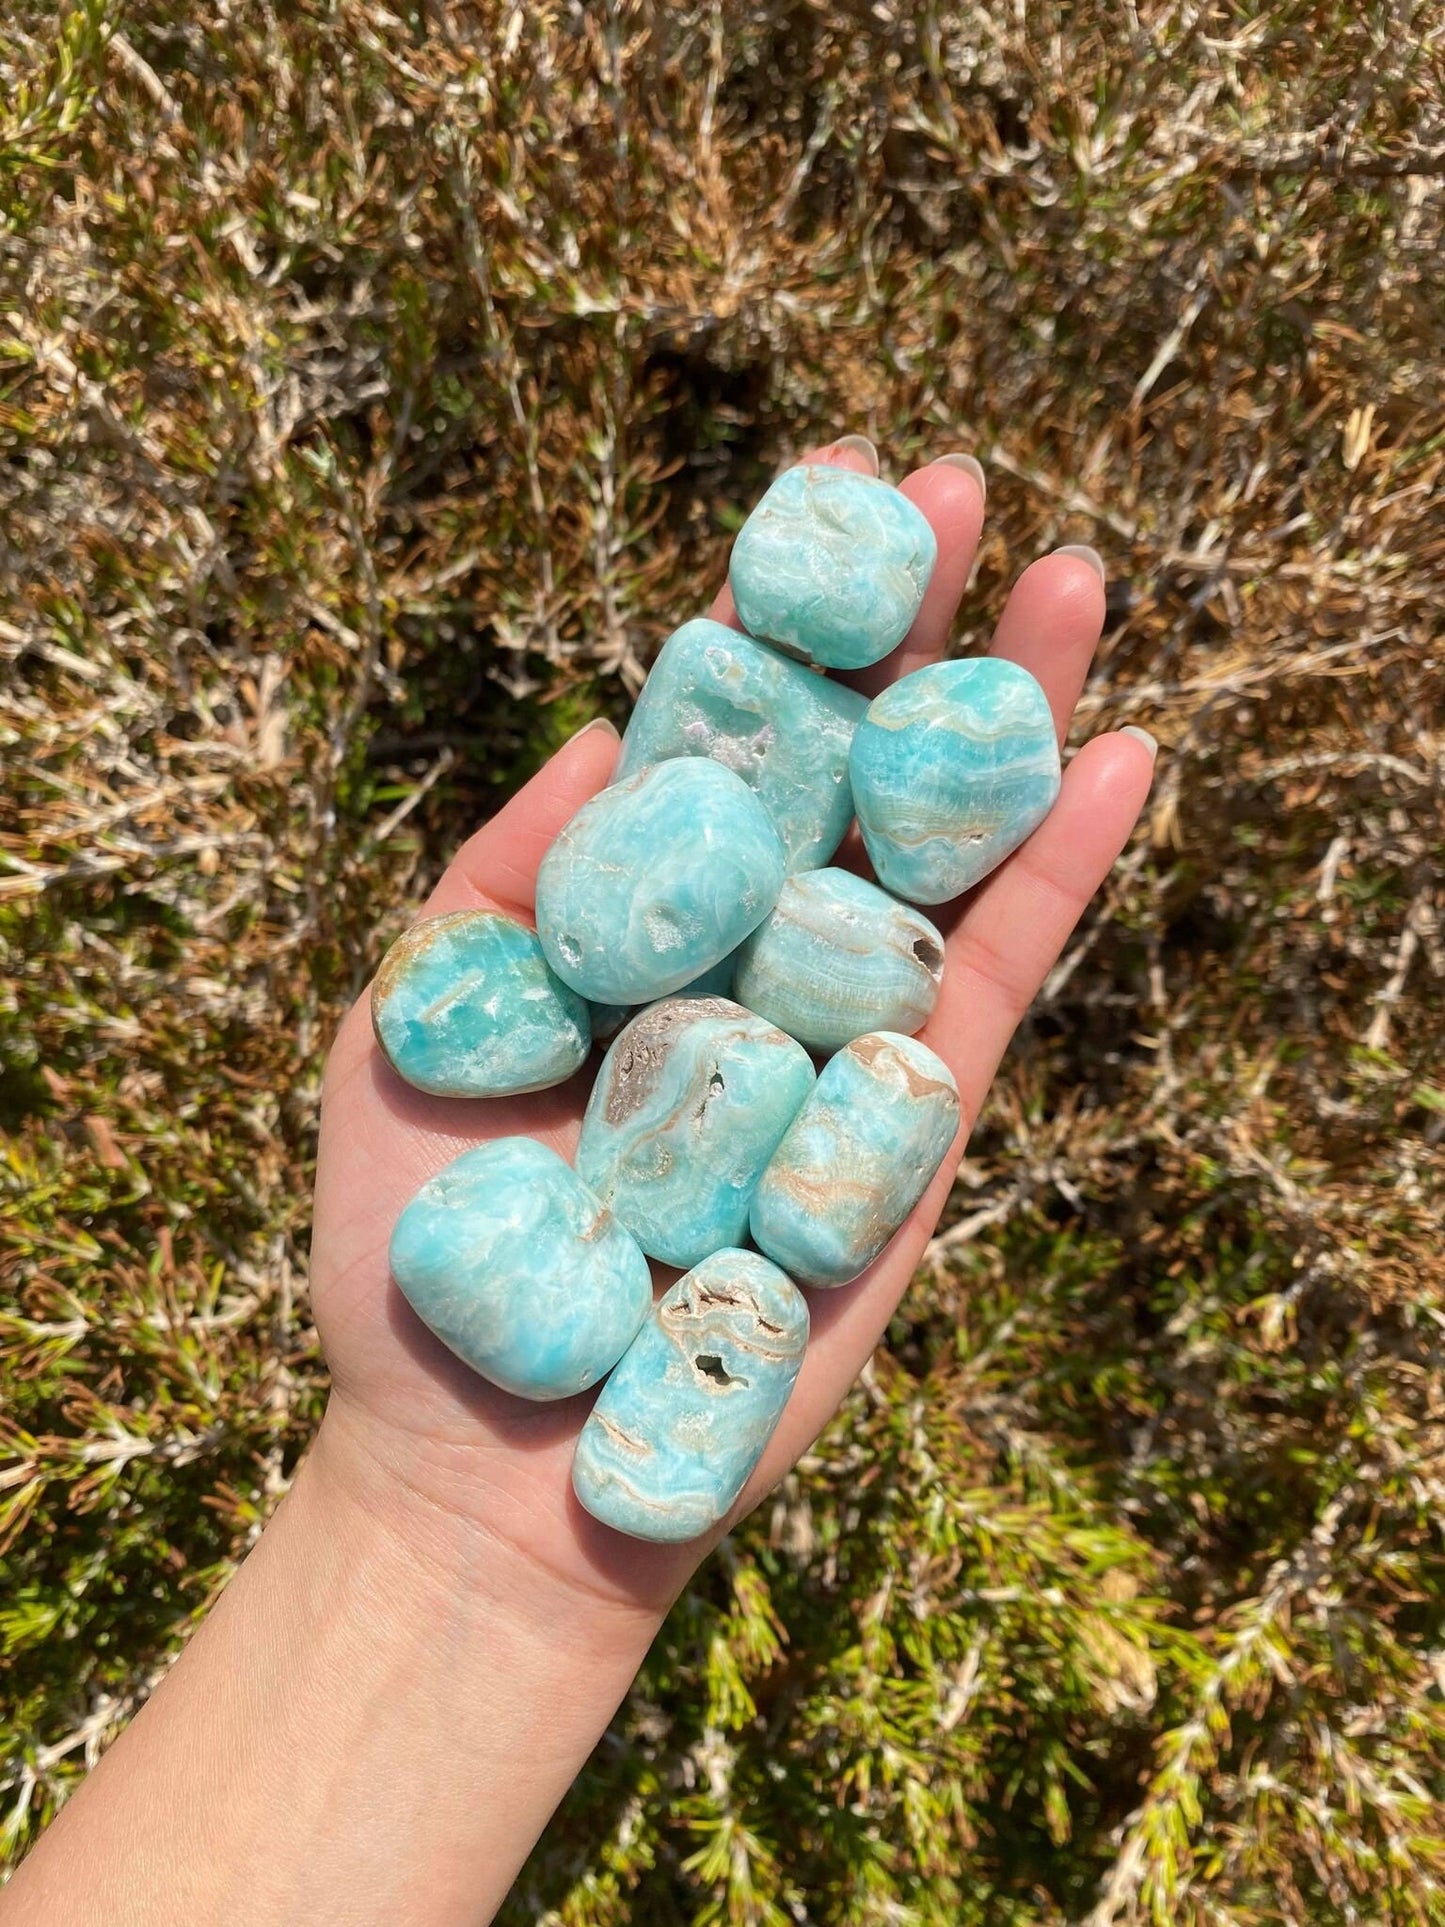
pixel 603 723
pixel 971 465
pixel 860 445
pixel 1085 554
pixel 1133 729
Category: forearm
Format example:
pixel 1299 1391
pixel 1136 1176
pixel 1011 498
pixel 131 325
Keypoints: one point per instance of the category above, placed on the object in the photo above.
pixel 371 1726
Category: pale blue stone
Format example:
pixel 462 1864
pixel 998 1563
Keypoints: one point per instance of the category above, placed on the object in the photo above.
pixel 682 1422
pixel 835 957
pixel 856 1159
pixel 784 729
pixel 656 880
pixel 832 566
pixel 466 1006
pixel 688 1107
pixel 518 1268
pixel 952 767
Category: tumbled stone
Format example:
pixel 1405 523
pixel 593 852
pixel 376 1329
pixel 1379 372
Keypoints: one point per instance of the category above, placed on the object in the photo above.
pixel 683 1420
pixel 781 727
pixel 655 880
pixel 832 566
pixel 952 767
pixel 517 1267
pixel 835 957
pixel 856 1159
pixel 466 1005
pixel 688 1107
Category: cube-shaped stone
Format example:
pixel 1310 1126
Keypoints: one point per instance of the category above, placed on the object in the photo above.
pixel 520 1269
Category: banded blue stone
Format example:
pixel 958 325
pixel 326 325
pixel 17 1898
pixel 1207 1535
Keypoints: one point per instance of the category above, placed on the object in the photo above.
pixel 688 1107
pixel 856 1159
pixel 779 726
pixel 832 566
pixel 683 1420
pixel 521 1270
pixel 952 767
pixel 466 1005
pixel 655 880
pixel 835 957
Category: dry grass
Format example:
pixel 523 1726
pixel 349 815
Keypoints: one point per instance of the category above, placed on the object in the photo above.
pixel 376 388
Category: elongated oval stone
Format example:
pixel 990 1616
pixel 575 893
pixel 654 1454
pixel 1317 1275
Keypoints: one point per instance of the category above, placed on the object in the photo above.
pixel 835 957
pixel 952 767
pixel 466 1005
pixel 513 1263
pixel 832 566
pixel 655 880
pixel 679 1426
pixel 688 1107
pixel 856 1159
pixel 779 726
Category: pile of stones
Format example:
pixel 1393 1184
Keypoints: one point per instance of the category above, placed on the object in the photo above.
pixel 763 1086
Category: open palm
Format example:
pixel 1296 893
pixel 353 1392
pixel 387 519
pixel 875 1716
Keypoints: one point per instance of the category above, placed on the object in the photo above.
pixel 478 1456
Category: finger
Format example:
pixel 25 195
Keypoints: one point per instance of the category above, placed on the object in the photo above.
pixel 1011 931
pixel 498 865
pixel 952 498
pixel 1006 943
pixel 850 451
pixel 1051 626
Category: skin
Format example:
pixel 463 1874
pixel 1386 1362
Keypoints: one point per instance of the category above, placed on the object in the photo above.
pixel 394 1693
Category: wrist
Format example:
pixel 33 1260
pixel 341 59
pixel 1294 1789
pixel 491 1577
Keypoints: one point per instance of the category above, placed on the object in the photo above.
pixel 489 1659
pixel 374 1724
pixel 431 1528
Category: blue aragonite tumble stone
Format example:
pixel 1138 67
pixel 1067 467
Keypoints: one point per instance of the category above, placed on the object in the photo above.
pixel 835 957
pixel 655 880
pixel 688 1107
pixel 952 767
pixel 679 1426
pixel 856 1159
pixel 782 728
pixel 832 566
pixel 466 1006
pixel 515 1265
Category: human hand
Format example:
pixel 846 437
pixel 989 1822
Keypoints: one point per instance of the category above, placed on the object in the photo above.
pixel 454 1452
pixel 398 1687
